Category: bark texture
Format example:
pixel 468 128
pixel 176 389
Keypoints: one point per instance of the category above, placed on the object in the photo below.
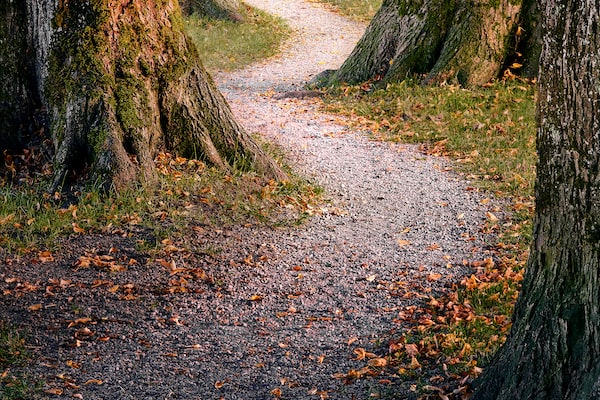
pixel 467 42
pixel 553 350
pixel 121 81
pixel 220 9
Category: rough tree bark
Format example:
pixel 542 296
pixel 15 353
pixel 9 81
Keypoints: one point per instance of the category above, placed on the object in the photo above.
pixel 120 81
pixel 468 42
pixel 553 350
pixel 220 9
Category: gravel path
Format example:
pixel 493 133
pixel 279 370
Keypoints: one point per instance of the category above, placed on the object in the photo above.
pixel 293 303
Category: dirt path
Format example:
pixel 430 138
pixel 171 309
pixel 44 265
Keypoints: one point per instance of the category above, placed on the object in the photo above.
pixel 325 289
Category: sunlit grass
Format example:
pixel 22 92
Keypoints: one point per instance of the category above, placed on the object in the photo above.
pixel 187 191
pixel 228 45
pixel 361 10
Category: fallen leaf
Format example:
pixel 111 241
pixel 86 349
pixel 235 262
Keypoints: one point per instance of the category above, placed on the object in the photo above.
pixel 219 384
pixel 93 381
pixel 411 349
pixel 35 307
pixel 45 256
pixel 414 363
pixel 403 243
pixel 77 228
pixel 54 391
pixel 256 297
pixel 378 362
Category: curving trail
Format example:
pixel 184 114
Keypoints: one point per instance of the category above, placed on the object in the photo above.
pixel 288 306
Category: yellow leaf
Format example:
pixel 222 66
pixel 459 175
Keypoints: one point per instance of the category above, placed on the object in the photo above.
pixel 256 297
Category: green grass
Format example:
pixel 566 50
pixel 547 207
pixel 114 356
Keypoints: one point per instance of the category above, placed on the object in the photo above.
pixel 489 131
pixel 490 134
pixel 229 45
pixel 187 192
pixel 361 10
pixel 13 353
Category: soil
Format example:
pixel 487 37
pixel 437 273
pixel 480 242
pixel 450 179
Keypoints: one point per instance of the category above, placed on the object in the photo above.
pixel 261 312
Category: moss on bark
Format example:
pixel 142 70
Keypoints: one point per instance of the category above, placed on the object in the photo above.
pixel 441 41
pixel 124 82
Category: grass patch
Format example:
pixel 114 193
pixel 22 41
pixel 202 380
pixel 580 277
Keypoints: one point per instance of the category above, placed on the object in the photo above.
pixel 188 192
pixel 228 45
pixel 359 10
pixel 13 354
pixel 490 134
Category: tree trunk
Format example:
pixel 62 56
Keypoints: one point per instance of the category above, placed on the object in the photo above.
pixel 468 42
pixel 553 350
pixel 220 9
pixel 121 82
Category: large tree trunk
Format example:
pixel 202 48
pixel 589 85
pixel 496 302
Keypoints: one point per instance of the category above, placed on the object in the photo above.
pixel 120 81
pixel 468 42
pixel 553 350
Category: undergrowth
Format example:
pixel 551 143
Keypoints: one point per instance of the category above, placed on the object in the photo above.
pixel 490 134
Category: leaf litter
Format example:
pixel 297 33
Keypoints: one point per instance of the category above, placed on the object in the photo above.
pixel 353 304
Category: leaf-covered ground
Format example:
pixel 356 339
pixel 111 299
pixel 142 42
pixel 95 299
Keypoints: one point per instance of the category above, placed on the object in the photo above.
pixel 361 301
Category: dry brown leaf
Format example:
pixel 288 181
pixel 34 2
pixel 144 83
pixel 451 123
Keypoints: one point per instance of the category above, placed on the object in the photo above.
pixel 414 363
pixel 45 256
pixel 35 307
pixel 403 243
pixel 54 391
pixel 378 362
pixel 411 349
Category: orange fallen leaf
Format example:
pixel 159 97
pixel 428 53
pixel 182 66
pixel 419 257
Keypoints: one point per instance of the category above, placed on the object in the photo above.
pixel 256 297
pixel 378 362
pixel 54 391
pixel 403 243
pixel 93 381
pixel 35 307
pixel 77 228
pixel 276 392
pixel 219 384
pixel 45 256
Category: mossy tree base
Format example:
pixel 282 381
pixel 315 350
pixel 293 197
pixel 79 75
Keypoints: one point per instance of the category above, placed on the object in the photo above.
pixel 466 42
pixel 121 81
